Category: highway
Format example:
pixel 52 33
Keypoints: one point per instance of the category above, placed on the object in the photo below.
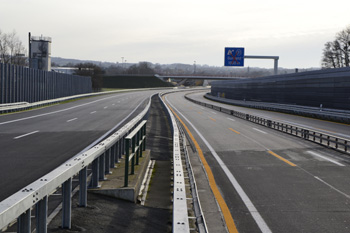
pixel 35 142
pixel 337 129
pixel 270 181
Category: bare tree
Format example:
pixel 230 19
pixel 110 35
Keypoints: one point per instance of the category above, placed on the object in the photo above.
pixel 11 49
pixel 94 71
pixel 3 47
pixel 141 68
pixel 336 54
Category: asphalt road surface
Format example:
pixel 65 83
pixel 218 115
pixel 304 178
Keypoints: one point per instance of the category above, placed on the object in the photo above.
pixel 35 142
pixel 337 129
pixel 272 182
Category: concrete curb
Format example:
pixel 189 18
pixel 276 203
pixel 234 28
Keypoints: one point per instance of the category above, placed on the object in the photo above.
pixel 113 186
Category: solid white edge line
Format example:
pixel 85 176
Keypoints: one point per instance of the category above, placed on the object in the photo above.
pixel 27 134
pixel 325 158
pixel 259 130
pixel 248 203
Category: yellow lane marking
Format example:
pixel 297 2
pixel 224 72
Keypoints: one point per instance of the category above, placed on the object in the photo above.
pixel 223 206
pixel 212 119
pixel 234 131
pixel 199 113
pixel 281 158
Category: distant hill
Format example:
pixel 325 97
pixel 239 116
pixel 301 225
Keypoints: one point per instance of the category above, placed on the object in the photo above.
pixel 58 61
pixel 181 69
pixel 134 81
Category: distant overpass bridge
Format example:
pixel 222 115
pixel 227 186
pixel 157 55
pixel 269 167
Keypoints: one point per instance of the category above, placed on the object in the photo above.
pixel 184 78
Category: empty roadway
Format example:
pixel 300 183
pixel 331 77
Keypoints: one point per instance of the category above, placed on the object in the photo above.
pixel 35 142
pixel 271 182
pixel 337 129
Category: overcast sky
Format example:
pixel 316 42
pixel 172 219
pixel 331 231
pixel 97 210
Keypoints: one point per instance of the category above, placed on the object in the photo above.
pixel 180 31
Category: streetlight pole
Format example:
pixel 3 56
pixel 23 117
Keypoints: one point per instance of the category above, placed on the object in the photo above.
pixel 194 67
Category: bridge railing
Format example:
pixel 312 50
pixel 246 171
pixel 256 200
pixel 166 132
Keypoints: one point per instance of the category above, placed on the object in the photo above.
pixel 137 141
pixel 338 115
pixel 330 141
pixel 36 194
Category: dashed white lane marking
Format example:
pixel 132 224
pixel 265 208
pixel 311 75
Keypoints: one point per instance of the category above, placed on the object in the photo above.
pixel 93 112
pixel 105 107
pixel 214 113
pixel 230 119
pixel 72 119
pixel 259 130
pixel 332 187
pixel 325 158
pixel 27 134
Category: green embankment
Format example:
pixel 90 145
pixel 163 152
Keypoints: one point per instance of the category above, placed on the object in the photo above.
pixel 133 81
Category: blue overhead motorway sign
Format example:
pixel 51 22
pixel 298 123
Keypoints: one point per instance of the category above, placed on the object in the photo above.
pixel 234 56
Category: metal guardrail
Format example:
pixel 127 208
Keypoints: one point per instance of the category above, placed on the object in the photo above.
pixel 7 108
pixel 102 155
pixel 201 223
pixel 321 113
pixel 330 141
pixel 180 211
pixel 137 140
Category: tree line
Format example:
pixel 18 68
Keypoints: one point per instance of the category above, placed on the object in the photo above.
pixel 12 50
pixel 336 53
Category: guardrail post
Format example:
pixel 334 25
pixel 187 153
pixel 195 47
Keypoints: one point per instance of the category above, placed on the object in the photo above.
pixel 138 143
pixel 123 145
pixel 336 143
pixel 41 216
pixel 247 117
pixel 83 187
pixel 306 134
pixel 144 135
pixel 67 204
pixel 133 143
pixel 112 162
pixel 117 152
pixel 102 169
pixel 269 123
pixel 108 161
pixel 95 173
pixel 328 141
pixel 120 147
pixel 23 222
pixel 126 174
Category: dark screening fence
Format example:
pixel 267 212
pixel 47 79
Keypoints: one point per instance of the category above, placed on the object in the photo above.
pixel 21 84
pixel 326 88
